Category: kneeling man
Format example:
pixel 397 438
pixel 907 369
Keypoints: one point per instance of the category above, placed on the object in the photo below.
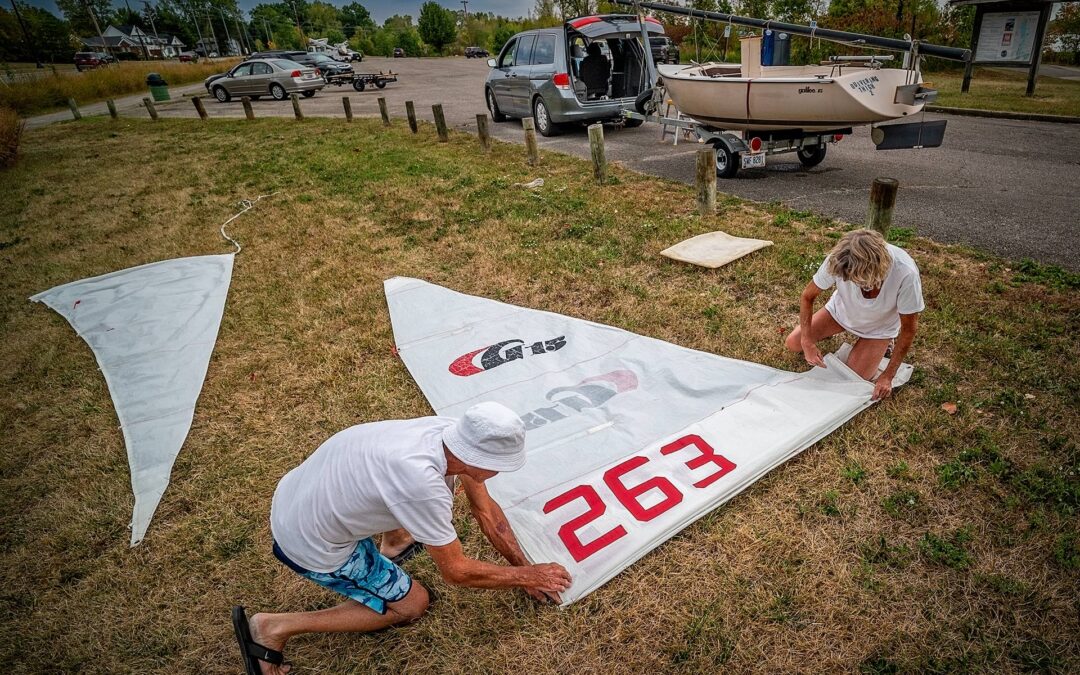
pixel 391 477
pixel 878 299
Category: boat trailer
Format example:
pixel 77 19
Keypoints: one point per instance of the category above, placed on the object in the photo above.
pixel 360 81
pixel 748 149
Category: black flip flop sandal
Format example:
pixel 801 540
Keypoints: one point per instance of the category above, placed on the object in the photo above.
pixel 252 652
pixel 411 551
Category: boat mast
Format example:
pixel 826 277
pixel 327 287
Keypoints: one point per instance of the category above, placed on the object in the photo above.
pixel 854 39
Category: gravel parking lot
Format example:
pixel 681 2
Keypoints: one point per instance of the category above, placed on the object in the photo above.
pixel 1006 186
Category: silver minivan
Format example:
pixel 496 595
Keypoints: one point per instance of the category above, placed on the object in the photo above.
pixel 591 68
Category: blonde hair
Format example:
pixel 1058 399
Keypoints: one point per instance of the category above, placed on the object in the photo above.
pixel 862 258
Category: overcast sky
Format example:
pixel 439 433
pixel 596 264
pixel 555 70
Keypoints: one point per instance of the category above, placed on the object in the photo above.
pixel 380 9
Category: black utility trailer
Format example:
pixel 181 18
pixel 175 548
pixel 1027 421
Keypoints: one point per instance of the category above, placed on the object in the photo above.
pixel 360 81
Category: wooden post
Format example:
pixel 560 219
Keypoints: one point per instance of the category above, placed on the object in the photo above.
pixel 706 181
pixel 74 109
pixel 248 112
pixel 483 131
pixel 347 103
pixel 111 104
pixel 882 200
pixel 410 112
pixel 1036 57
pixel 596 148
pixel 384 112
pixel 199 107
pixel 969 65
pixel 531 148
pixel 296 107
pixel 149 103
pixel 440 123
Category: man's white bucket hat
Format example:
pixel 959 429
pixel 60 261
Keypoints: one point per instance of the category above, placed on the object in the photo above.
pixel 488 436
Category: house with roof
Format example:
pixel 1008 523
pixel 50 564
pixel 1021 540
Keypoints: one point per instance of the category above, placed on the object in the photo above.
pixel 134 40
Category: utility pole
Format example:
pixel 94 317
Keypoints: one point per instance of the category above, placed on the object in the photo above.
pixel 244 48
pixel 26 34
pixel 466 4
pixel 225 24
pixel 269 35
pixel 198 31
pixel 150 16
pixel 213 35
pixel 142 39
pixel 93 17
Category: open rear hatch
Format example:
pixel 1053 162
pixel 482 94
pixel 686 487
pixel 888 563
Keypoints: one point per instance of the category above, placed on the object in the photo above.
pixel 620 38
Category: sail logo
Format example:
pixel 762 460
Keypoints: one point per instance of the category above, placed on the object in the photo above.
pixel 592 392
pixel 499 353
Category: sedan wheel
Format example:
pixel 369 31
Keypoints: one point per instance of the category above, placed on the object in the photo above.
pixel 221 94
pixel 278 92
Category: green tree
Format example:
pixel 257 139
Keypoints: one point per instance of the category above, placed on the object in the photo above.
pixel 275 20
pixel 438 25
pixel 1065 30
pixel 355 18
pixel 323 21
pixel 78 15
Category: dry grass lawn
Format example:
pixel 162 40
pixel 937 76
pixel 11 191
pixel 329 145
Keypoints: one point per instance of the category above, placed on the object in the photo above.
pixel 909 540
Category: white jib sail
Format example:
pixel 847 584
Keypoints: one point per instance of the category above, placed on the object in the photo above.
pixel 630 439
pixel 152 329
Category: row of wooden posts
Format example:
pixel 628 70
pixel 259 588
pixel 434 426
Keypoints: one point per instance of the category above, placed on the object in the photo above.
pixel 882 191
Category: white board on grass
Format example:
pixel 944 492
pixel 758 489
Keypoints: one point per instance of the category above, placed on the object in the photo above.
pixel 630 439
pixel 152 329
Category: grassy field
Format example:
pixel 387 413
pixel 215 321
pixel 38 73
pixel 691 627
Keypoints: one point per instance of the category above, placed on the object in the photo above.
pixel 909 540
pixel 1005 90
pixel 53 89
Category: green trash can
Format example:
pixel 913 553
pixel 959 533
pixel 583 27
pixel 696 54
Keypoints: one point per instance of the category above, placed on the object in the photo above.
pixel 159 88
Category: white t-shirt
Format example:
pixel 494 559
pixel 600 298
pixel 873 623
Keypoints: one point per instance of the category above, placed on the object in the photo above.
pixel 879 317
pixel 367 479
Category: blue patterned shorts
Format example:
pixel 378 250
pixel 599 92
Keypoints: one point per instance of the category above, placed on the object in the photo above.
pixel 367 576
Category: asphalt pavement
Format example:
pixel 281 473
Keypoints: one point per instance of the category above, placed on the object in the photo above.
pixel 1009 187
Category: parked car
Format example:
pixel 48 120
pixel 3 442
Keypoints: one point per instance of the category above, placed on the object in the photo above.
pixel 398 52
pixel 188 57
pixel 592 68
pixel 476 53
pixel 326 65
pixel 265 77
pixel 664 50
pixel 91 60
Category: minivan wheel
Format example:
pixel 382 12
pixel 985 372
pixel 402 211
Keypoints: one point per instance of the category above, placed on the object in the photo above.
pixel 493 108
pixel 543 118
pixel 221 94
pixel 278 92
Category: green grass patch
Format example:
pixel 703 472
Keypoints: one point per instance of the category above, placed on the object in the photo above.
pixel 949 550
pixel 1007 91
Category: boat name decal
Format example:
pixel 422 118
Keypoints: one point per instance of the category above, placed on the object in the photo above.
pixel 865 85
pixel 811 90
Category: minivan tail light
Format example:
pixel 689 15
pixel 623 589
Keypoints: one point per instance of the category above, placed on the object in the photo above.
pixel 561 80
pixel 295 73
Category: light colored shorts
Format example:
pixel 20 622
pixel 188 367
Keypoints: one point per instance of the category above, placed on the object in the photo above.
pixel 367 576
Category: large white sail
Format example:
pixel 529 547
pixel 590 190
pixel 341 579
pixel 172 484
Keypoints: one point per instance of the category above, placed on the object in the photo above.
pixel 630 439
pixel 152 329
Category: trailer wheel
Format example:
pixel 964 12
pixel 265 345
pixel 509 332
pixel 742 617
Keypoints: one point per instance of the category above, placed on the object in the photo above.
pixel 358 85
pixel 727 162
pixel 308 94
pixel 812 156
pixel 380 83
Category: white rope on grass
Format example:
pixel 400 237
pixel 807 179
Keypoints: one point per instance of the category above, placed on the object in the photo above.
pixel 247 205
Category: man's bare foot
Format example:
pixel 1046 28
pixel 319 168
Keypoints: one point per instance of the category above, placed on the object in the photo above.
pixel 261 632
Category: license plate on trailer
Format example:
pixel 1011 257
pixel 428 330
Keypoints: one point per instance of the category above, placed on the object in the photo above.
pixel 753 160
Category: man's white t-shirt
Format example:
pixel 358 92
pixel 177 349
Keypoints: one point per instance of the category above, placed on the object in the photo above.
pixel 879 317
pixel 367 479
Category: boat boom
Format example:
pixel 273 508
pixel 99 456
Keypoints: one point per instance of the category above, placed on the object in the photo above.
pixel 856 39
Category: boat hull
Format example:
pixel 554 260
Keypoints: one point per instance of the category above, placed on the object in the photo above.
pixel 807 98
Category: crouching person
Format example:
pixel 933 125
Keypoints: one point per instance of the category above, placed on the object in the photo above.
pixel 878 298
pixel 394 477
